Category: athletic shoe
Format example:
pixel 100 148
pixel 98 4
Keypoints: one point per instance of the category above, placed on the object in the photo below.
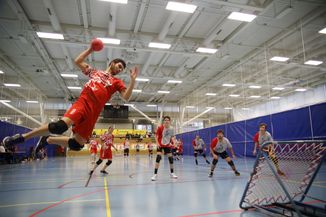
pixel 210 175
pixel 104 172
pixel 154 177
pixel 237 173
pixel 208 162
pixel 173 176
pixel 9 141
pixel 41 144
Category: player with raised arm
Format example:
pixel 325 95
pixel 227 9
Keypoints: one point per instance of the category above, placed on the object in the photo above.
pixel 83 114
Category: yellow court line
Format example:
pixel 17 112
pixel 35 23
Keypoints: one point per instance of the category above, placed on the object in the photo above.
pixel 49 202
pixel 107 200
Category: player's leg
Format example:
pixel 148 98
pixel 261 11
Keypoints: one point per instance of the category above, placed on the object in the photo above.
pixel 76 143
pixel 93 157
pixel 274 159
pixel 168 151
pixel 225 156
pixel 204 155
pixel 58 127
pixel 98 162
pixel 157 164
pixel 214 163
pixel 108 163
pixel 195 154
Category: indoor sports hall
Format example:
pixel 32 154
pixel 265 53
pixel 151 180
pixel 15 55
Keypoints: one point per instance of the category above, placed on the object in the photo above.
pixel 158 108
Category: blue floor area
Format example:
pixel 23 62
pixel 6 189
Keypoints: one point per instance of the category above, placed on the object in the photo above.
pixel 55 187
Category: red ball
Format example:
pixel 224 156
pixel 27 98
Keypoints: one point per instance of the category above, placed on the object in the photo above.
pixel 97 44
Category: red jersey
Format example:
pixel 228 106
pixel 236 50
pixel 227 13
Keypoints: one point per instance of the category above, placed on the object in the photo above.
pixel 101 86
pixel 96 92
pixel 106 152
pixel 93 146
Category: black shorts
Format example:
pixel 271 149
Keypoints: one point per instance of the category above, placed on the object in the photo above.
pixel 200 151
pixel 223 154
pixel 166 150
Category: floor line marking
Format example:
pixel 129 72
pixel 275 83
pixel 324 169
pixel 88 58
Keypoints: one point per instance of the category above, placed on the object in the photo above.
pixel 107 199
pixel 48 202
pixel 64 201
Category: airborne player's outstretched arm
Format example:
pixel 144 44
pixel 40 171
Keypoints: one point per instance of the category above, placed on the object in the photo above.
pixel 126 93
pixel 80 59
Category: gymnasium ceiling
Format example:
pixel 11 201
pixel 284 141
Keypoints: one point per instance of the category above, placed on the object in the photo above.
pixel 281 28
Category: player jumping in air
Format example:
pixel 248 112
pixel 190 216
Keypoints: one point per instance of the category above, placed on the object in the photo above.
pixel 164 135
pixel 264 136
pixel 83 114
pixel 218 148
pixel 199 147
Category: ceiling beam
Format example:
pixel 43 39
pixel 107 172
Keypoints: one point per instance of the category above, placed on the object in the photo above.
pixel 22 16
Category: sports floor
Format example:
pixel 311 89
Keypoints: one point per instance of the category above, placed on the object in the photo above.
pixel 55 187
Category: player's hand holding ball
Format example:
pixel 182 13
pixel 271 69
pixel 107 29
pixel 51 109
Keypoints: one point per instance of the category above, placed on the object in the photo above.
pixel 97 44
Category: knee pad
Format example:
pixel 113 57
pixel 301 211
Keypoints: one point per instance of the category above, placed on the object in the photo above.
pixel 58 127
pixel 74 145
pixel 109 162
pixel 99 161
pixel 158 158
pixel 231 163
pixel 195 154
pixel 215 161
pixel 204 155
pixel 170 160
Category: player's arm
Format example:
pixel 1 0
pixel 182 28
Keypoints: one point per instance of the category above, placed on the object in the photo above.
pixel 211 147
pixel 256 143
pixel 232 152
pixel 193 144
pixel 126 93
pixel 212 152
pixel 80 60
pixel 156 138
pixel 114 147
pixel 231 149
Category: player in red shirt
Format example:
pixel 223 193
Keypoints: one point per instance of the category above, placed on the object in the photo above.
pixel 218 147
pixel 179 149
pixel 93 146
pixel 260 138
pixel 105 152
pixel 164 139
pixel 83 114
